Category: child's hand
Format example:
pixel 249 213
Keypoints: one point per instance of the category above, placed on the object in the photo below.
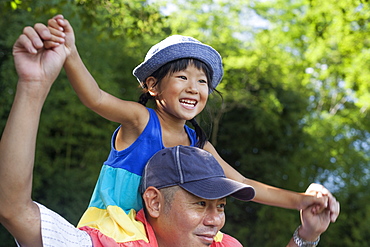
pixel 60 27
pixel 57 37
pixel 330 203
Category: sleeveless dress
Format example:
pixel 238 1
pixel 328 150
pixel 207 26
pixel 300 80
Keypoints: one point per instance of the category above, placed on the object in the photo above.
pixel 116 192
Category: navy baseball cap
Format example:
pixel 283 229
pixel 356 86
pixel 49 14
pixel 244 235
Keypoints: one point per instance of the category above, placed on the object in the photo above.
pixel 176 47
pixel 194 170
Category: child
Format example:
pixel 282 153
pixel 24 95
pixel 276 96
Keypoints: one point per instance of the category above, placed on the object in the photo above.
pixel 178 73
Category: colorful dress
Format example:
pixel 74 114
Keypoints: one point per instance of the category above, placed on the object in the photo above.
pixel 116 192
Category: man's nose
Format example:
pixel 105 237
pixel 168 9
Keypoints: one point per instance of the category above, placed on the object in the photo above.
pixel 214 218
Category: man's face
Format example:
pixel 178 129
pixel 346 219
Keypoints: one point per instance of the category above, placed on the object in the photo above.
pixel 189 221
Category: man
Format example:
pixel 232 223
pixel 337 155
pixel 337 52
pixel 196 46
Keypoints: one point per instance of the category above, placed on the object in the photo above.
pixel 180 210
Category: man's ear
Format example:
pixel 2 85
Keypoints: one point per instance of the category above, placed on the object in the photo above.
pixel 151 83
pixel 153 199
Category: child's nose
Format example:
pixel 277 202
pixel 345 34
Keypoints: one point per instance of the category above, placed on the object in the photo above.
pixel 192 86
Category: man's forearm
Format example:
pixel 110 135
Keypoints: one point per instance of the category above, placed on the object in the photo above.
pixel 17 147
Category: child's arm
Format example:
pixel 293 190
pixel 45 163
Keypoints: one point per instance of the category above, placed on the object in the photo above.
pixel 273 196
pixel 127 113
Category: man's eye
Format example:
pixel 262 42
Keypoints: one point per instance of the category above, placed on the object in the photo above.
pixel 202 203
pixel 222 205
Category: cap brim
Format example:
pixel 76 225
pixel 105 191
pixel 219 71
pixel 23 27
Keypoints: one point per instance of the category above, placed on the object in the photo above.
pixel 219 187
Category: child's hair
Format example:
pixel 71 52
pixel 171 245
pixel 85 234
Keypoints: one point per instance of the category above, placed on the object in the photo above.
pixel 175 66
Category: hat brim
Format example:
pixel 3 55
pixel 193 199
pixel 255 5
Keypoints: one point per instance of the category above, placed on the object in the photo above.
pixel 219 187
pixel 199 51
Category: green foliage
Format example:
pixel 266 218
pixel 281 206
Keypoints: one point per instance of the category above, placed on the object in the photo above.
pixel 295 104
pixel 124 17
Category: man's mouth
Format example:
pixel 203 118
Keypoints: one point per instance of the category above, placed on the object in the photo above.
pixel 206 238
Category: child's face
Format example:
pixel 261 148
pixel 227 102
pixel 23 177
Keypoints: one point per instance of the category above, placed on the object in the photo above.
pixel 183 94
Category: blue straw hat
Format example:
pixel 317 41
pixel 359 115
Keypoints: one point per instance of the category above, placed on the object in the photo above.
pixel 176 47
pixel 196 171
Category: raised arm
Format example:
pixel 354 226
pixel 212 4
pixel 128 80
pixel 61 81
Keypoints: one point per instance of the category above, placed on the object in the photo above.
pixel 37 69
pixel 91 95
pixel 269 195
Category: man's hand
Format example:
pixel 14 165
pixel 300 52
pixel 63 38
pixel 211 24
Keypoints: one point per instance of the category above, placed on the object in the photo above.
pixel 315 219
pixel 33 60
pixel 313 223
pixel 332 204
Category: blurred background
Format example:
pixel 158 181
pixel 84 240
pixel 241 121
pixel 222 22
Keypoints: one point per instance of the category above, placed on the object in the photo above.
pixel 295 106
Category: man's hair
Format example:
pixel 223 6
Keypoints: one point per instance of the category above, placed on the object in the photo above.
pixel 168 194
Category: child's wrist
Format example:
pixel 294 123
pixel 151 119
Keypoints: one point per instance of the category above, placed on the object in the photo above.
pixel 72 54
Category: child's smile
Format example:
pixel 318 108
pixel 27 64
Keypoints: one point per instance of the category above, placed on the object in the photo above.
pixel 188 87
pixel 188 103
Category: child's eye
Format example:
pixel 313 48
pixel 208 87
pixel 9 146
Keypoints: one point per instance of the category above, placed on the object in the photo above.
pixel 202 81
pixel 182 77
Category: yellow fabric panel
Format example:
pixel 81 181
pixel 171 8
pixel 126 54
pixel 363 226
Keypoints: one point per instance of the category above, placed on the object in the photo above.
pixel 218 237
pixel 114 223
